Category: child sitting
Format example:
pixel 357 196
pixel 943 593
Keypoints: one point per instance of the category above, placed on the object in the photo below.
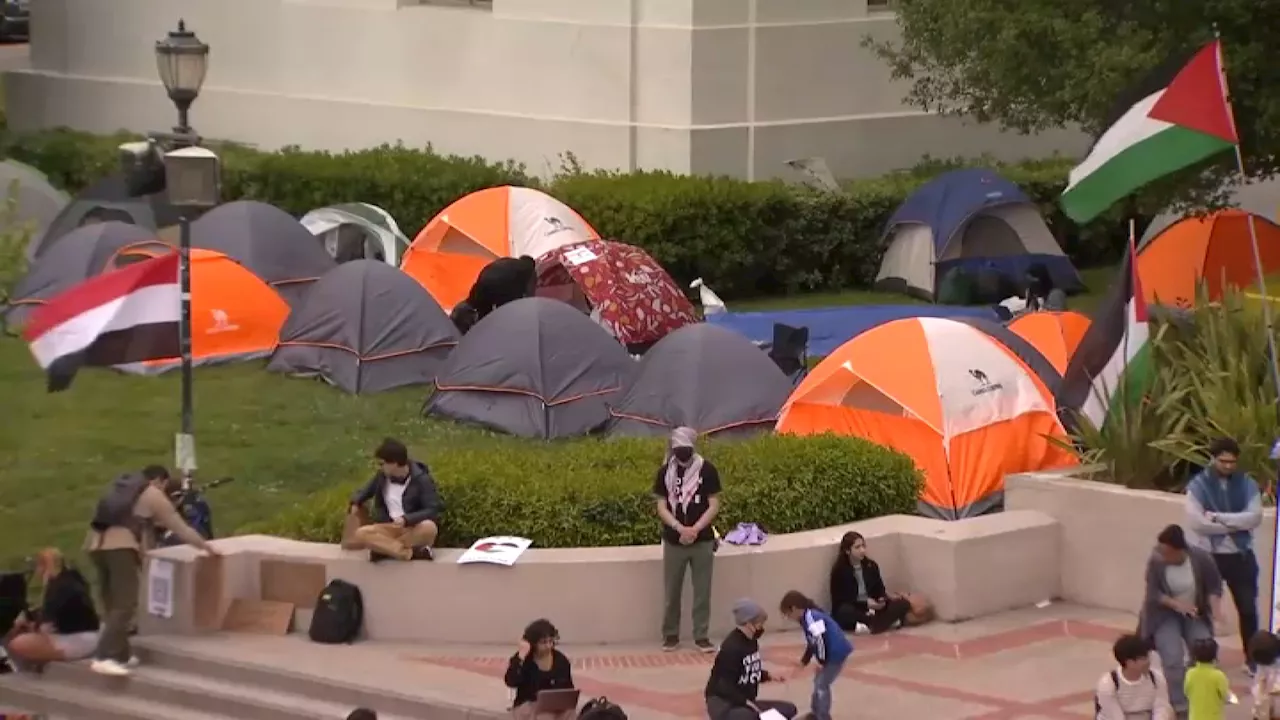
pixel 1264 649
pixel 1205 684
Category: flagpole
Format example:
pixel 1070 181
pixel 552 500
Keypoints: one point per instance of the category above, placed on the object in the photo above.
pixel 1124 342
pixel 1253 229
pixel 1266 319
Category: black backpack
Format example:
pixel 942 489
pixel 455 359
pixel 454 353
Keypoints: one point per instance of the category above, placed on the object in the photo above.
pixel 115 507
pixel 601 709
pixel 1115 681
pixel 339 614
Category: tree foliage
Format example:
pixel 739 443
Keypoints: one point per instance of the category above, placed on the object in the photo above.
pixel 1030 65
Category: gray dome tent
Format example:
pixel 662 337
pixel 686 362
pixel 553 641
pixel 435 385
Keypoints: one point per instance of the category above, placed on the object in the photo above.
pixel 535 368
pixel 109 199
pixel 267 241
pixel 77 256
pixel 706 377
pixel 36 202
pixel 365 327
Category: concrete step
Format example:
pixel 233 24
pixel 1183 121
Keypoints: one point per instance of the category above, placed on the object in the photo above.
pixel 276 682
pixel 200 691
pixel 65 698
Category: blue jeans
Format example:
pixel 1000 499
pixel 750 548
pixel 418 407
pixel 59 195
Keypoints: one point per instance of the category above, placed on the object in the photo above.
pixel 1172 638
pixel 820 701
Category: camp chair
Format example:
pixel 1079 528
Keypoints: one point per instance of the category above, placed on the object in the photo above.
pixel 790 351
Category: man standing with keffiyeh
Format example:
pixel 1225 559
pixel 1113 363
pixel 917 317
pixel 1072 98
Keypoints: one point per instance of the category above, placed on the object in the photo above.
pixel 688 494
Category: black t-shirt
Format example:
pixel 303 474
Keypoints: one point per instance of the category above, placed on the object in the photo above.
pixel 527 679
pixel 737 671
pixel 698 504
pixel 68 606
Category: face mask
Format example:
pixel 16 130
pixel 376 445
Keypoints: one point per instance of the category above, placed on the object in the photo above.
pixel 757 633
pixel 683 454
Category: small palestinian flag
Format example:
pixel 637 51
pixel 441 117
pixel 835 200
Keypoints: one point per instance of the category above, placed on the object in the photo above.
pixel 1177 116
pixel 1112 366
pixel 123 316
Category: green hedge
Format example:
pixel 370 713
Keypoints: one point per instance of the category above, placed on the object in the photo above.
pixel 594 493
pixel 745 239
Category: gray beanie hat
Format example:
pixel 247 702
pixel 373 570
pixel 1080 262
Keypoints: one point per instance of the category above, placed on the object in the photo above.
pixel 746 610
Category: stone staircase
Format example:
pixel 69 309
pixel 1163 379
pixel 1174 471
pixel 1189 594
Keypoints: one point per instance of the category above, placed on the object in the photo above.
pixel 173 684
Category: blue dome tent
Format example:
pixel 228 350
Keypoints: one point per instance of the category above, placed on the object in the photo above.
pixel 973 219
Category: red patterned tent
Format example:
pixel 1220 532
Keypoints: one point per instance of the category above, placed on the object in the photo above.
pixel 624 289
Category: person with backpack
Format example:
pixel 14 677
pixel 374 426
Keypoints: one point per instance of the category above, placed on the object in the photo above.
pixel 406 505
pixel 66 626
pixel 120 533
pixel 1133 690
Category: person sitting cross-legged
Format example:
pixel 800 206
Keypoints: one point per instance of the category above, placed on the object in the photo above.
pixel 406 505
pixel 66 626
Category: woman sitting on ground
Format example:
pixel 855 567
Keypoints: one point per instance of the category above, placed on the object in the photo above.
pixel 859 601
pixel 536 666
pixel 66 627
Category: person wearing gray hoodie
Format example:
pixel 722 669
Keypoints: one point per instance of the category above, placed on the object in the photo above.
pixel 1183 596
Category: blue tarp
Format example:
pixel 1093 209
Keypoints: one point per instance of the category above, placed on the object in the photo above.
pixel 831 327
pixel 946 202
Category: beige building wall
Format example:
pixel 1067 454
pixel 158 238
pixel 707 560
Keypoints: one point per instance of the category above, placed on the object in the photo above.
pixel 698 86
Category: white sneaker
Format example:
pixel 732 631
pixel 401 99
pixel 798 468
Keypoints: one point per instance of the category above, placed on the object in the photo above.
pixel 861 629
pixel 111 668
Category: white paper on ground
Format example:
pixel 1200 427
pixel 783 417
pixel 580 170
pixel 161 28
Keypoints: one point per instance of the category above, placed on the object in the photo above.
pixel 772 714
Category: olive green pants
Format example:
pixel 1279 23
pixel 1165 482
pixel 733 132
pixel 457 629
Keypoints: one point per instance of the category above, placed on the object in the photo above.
pixel 698 558
pixel 119 582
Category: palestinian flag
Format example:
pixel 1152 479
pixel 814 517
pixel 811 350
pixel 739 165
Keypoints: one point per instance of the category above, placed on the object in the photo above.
pixel 1112 366
pixel 124 316
pixel 1177 116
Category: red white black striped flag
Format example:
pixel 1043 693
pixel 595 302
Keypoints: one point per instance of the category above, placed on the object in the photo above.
pixel 123 316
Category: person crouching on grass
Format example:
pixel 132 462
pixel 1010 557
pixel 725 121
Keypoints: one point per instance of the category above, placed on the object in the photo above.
pixel 825 641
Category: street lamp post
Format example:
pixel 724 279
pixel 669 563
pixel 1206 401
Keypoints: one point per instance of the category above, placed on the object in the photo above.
pixel 182 61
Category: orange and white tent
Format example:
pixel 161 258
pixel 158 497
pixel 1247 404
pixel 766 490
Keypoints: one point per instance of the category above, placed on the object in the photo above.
pixel 1056 335
pixel 507 221
pixel 955 399
pixel 235 315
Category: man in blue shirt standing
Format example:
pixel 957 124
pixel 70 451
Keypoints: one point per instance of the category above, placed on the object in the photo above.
pixel 1224 508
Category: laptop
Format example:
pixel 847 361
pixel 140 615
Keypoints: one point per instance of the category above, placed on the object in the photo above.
pixel 557 701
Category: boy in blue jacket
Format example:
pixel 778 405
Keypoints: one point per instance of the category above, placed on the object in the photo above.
pixel 824 641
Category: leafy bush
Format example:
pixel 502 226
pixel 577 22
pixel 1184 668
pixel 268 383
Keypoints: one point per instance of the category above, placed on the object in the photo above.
pixel 1213 379
pixel 15 235
pixel 592 493
pixel 745 239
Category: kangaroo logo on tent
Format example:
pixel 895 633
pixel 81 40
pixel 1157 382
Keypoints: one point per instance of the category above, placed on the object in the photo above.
pixel 221 323
pixel 557 225
pixel 984 383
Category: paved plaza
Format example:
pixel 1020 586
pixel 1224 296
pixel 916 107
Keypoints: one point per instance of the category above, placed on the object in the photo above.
pixel 1032 664
pixel 1037 663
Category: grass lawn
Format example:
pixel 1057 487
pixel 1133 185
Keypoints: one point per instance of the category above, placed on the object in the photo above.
pixel 280 438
